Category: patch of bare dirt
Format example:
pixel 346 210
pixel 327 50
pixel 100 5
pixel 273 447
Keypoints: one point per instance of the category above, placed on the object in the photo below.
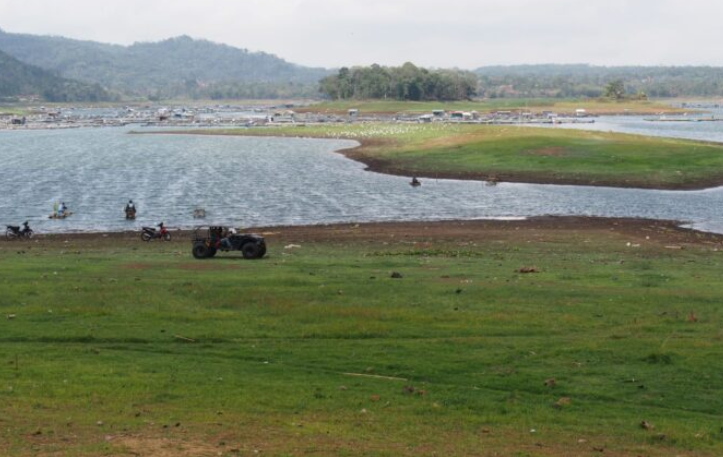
pixel 548 229
pixel 207 266
pixel 552 151
pixel 161 447
pixel 138 266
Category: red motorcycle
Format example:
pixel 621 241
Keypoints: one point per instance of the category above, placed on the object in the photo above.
pixel 150 233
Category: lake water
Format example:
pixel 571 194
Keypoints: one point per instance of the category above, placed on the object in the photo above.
pixel 706 131
pixel 271 181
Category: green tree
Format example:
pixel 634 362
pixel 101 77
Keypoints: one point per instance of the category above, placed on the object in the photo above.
pixel 615 89
pixel 407 82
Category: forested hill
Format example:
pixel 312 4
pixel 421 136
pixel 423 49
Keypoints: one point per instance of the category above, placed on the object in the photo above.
pixel 177 66
pixel 18 78
pixel 590 81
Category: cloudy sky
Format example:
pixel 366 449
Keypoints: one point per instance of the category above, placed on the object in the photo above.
pixel 438 33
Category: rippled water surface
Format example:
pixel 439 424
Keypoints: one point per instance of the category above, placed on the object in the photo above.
pixel 705 131
pixel 270 181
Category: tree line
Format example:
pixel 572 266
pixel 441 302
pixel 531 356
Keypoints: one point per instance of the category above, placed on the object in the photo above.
pixel 407 82
pixel 579 80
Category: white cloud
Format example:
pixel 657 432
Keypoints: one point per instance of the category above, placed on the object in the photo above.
pixel 443 33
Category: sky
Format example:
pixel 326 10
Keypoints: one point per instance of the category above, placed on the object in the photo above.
pixel 433 33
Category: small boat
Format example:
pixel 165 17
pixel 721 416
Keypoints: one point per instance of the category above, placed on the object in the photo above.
pixel 60 216
pixel 415 182
pixel 199 213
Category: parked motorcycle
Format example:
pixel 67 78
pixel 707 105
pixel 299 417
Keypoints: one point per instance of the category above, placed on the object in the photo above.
pixel 150 233
pixel 14 232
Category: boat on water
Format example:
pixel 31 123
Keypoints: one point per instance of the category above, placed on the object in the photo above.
pixel 60 216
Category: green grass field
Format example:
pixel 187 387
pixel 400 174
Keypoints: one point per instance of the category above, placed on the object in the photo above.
pixel 522 154
pixel 595 106
pixel 114 347
pixel 13 110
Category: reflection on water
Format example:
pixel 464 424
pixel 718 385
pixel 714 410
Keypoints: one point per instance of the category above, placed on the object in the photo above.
pixel 270 181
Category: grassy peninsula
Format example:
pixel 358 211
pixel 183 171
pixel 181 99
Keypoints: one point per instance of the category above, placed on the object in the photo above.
pixel 521 154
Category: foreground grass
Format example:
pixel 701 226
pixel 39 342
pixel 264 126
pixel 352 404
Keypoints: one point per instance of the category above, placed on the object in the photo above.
pixel 116 347
pixel 522 154
pixel 594 106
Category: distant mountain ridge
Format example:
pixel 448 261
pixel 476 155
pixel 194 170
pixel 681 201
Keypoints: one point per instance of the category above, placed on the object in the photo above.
pixel 175 66
pixel 20 79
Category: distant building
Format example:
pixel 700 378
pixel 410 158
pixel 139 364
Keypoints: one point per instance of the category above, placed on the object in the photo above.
pixel 284 116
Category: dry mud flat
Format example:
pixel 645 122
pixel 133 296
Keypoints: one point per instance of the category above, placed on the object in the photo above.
pixel 668 233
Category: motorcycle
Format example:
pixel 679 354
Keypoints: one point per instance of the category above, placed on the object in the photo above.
pixel 14 232
pixel 150 233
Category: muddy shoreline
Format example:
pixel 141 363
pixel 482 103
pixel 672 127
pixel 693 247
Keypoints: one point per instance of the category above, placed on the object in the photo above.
pixel 453 230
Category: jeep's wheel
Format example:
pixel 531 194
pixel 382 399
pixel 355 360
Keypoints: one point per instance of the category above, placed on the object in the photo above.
pixel 251 251
pixel 200 251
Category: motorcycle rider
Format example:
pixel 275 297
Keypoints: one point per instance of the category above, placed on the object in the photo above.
pixel 156 233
